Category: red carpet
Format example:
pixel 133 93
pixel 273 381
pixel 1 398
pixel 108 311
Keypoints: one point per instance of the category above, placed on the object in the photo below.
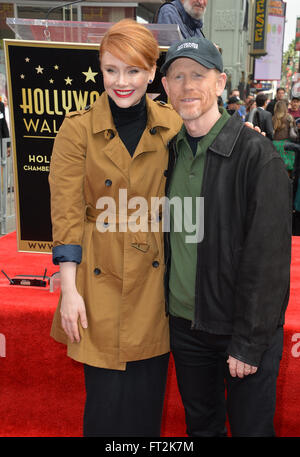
pixel 42 390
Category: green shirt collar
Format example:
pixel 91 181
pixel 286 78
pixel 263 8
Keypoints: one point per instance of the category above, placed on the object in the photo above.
pixel 209 138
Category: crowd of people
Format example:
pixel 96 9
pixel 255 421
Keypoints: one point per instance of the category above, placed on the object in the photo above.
pixel 279 118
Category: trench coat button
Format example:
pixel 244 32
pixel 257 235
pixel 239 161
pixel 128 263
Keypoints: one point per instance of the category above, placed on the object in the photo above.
pixel 155 264
pixel 108 182
pixel 153 131
pixel 97 271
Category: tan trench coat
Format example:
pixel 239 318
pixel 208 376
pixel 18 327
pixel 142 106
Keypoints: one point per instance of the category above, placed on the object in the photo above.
pixel 120 276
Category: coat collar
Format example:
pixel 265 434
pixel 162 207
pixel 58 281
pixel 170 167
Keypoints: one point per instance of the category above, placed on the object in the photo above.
pixel 102 118
pixel 225 141
pixel 227 138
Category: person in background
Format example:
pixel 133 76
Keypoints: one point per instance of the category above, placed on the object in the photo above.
pixel 251 105
pixel 4 133
pixel 280 95
pixel 233 105
pixel 111 313
pixel 294 110
pixel 260 117
pixel 283 122
pixel 227 276
pixel 188 14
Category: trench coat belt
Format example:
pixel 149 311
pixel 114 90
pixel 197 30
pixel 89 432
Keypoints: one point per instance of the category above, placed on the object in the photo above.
pixel 140 239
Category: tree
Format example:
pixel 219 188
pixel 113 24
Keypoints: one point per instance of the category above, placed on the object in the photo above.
pixel 289 66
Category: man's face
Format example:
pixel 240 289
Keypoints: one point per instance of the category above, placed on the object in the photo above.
pixel 233 106
pixel 195 8
pixel 235 93
pixel 280 95
pixel 193 89
pixel 295 104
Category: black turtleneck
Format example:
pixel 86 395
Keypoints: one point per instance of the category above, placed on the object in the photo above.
pixel 130 122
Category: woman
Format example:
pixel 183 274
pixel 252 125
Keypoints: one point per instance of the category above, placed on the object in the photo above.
pixel 111 313
pixel 282 123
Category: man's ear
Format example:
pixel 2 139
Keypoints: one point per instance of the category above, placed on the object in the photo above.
pixel 221 83
pixel 165 84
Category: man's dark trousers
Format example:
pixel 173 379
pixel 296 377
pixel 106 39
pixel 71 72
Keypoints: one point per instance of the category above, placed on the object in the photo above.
pixel 201 369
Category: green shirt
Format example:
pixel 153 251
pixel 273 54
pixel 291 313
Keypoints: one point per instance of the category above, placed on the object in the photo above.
pixel 187 182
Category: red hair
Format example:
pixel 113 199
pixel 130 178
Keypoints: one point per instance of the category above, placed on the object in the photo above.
pixel 132 43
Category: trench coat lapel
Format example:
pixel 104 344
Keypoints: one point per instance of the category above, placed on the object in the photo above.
pixel 115 150
pixel 102 124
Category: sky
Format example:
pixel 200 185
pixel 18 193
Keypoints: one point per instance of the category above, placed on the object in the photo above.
pixel 292 11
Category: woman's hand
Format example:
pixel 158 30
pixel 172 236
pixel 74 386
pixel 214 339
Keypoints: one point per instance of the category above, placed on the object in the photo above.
pixel 72 307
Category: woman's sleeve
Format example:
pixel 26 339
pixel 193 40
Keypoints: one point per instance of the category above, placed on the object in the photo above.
pixel 66 179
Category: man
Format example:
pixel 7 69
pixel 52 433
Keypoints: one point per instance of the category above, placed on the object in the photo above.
pixel 188 14
pixel 294 110
pixel 227 292
pixel 262 118
pixel 233 105
pixel 280 95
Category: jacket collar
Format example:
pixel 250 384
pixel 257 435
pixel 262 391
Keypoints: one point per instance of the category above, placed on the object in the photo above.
pixel 227 138
pixel 225 141
pixel 102 118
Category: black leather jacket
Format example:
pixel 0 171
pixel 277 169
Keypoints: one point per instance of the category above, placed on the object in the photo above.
pixel 243 262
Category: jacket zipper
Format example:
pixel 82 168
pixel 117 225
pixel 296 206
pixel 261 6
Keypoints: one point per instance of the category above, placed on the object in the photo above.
pixel 201 195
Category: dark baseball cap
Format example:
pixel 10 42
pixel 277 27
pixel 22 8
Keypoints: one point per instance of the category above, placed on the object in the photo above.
pixel 199 49
pixel 234 100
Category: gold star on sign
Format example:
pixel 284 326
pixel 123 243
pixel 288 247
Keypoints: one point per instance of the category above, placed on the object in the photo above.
pixel 56 67
pixel 39 69
pixel 27 59
pixel 22 76
pixel 51 81
pixel 90 75
pixel 68 80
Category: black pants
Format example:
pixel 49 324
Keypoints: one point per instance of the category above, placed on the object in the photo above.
pixel 201 369
pixel 125 403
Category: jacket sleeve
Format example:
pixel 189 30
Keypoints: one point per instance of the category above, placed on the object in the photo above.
pixel 262 288
pixel 168 14
pixel 269 126
pixel 66 179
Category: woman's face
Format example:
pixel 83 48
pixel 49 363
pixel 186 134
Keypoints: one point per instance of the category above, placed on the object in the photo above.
pixel 124 83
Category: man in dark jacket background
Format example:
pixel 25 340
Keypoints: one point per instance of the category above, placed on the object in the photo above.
pixel 262 118
pixel 280 95
pixel 188 14
pixel 227 276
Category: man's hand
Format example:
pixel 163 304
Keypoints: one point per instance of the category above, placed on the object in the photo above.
pixel 251 126
pixel 240 369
